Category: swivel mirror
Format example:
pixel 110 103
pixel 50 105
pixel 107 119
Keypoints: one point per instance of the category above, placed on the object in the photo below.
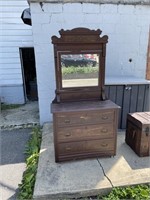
pixel 80 65
pixel 79 70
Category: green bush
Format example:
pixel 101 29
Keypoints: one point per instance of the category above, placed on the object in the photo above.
pixel 137 192
pixel 82 70
pixel 32 154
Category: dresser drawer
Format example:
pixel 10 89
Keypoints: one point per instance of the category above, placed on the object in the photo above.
pixel 85 132
pixel 69 119
pixel 100 145
pixel 86 146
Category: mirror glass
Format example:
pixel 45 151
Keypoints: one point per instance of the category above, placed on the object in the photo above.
pixel 79 70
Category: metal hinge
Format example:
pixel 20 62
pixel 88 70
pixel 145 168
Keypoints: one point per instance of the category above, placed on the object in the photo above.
pixel 147 131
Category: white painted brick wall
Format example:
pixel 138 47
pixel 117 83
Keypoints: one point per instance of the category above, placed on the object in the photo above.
pixel 91 8
pixel 108 9
pixel 126 25
pixel 72 8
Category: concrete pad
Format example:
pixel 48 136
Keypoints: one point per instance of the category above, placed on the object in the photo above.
pixel 127 168
pixel 68 179
pixel 87 177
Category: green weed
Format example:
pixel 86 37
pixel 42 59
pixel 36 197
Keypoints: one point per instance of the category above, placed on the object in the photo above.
pixel 138 192
pixel 32 152
pixel 9 106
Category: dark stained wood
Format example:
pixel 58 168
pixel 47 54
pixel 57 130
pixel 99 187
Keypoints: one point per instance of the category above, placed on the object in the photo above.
pixel 79 41
pixel 138 133
pixel 84 129
pixel 85 123
pixel 78 36
pixel 76 106
pixel 85 132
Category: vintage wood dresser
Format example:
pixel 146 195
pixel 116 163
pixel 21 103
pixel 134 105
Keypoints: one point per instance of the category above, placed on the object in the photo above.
pixel 84 129
pixel 138 132
pixel 85 123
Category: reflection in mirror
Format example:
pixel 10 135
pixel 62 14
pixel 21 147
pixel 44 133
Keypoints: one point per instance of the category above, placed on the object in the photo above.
pixel 79 70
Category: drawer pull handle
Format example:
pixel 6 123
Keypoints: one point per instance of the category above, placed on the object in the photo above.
pixel 104 130
pixel 104 117
pixel 104 145
pixel 68 134
pixel 67 121
pixel 83 117
pixel 68 148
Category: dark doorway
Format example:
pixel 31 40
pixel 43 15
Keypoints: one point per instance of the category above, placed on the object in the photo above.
pixel 29 73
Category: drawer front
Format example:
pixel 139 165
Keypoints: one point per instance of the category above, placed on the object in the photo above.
pixel 84 118
pixel 85 132
pixel 86 146
pixel 100 145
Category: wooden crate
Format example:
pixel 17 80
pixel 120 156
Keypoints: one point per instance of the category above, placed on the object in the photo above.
pixel 138 132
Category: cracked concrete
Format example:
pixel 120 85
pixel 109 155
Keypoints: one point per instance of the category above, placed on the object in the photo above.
pixel 87 177
pixel 104 172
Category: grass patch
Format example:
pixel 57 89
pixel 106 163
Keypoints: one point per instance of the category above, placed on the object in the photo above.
pixel 26 188
pixel 9 106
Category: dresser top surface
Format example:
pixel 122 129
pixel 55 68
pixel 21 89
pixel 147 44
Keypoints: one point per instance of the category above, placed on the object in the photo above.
pixel 83 105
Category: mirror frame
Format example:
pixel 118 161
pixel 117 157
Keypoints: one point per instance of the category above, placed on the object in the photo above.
pixel 79 41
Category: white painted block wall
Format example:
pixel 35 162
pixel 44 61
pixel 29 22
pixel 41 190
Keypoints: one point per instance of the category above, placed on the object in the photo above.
pixel 126 25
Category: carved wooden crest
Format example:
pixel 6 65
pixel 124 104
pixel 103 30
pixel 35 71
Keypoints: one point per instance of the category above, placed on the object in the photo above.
pixel 85 49
pixel 80 35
